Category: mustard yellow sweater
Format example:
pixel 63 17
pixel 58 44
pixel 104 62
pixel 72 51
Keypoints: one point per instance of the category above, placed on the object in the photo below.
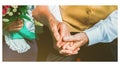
pixel 78 18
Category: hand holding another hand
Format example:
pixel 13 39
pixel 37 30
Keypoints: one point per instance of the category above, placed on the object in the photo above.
pixel 79 39
pixel 63 46
pixel 64 42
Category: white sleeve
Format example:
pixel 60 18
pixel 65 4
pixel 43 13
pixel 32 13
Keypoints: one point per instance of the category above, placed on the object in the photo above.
pixel 56 12
pixel 104 31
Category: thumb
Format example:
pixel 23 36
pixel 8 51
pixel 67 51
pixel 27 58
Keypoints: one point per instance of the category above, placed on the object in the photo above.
pixel 55 33
pixel 71 38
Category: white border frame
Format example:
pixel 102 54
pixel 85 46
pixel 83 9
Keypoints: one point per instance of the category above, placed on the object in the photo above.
pixel 57 2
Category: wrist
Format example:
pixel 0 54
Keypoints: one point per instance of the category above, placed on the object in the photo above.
pixel 52 20
pixel 86 40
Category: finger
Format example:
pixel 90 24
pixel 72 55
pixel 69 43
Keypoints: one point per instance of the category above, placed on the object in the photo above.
pixel 19 26
pixel 56 33
pixel 74 53
pixel 71 38
pixel 60 44
pixel 13 24
pixel 62 52
pixel 66 52
pixel 61 32
pixel 15 29
pixel 76 50
pixel 77 45
pixel 69 52
pixel 66 45
pixel 71 44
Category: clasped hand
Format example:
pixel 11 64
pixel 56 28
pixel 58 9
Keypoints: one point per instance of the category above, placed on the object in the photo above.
pixel 66 43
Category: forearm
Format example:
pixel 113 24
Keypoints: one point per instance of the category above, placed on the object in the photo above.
pixel 42 14
pixel 103 31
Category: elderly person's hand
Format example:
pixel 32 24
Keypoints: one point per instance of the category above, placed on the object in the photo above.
pixel 79 39
pixel 42 14
pixel 62 45
pixel 63 31
pixel 15 26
